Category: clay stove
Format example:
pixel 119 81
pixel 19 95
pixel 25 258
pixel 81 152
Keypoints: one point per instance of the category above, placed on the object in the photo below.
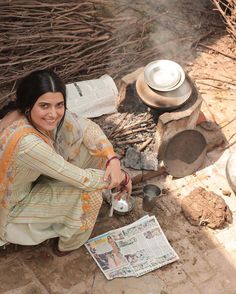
pixel 183 118
pixel 170 120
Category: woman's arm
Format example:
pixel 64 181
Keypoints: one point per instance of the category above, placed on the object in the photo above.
pixel 95 140
pixel 98 144
pixel 37 155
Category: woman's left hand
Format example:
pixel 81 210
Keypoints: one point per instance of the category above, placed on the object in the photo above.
pixel 113 174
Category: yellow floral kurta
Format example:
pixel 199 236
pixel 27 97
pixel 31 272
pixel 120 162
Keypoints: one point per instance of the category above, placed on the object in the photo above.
pixel 65 200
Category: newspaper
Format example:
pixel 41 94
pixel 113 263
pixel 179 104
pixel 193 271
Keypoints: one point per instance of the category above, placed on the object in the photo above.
pixel 133 250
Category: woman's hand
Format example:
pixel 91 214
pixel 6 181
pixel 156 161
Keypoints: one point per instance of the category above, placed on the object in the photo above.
pixel 125 190
pixel 9 119
pixel 114 173
pixel 118 178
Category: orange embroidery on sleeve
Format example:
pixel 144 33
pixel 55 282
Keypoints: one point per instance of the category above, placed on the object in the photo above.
pixel 86 179
pixel 69 126
pixel 86 197
pixel 83 228
pixel 86 207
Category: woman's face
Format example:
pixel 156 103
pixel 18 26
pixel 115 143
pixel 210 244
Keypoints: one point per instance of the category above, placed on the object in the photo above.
pixel 47 111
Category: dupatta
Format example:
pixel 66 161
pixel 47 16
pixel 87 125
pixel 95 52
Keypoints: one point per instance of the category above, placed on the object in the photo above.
pixel 9 139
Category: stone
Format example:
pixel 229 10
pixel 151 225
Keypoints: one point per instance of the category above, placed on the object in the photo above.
pixel 140 160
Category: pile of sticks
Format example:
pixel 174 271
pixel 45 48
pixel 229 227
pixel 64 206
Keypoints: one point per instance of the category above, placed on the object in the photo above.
pixel 133 130
pixel 227 8
pixel 71 37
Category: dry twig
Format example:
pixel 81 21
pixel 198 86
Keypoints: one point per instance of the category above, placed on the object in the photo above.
pixel 145 144
pixel 227 8
pixel 217 51
pixel 72 38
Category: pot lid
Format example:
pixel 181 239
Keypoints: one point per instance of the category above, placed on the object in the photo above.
pixel 161 99
pixel 164 75
pixel 185 153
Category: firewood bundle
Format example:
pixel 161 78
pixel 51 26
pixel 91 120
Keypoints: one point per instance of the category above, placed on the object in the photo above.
pixel 227 8
pixel 78 39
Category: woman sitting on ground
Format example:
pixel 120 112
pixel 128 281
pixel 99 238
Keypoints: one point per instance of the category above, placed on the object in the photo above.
pixel 52 167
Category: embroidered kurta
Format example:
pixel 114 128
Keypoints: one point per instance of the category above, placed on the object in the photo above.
pixel 58 193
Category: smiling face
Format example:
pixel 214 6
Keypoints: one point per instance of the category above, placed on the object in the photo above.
pixel 48 111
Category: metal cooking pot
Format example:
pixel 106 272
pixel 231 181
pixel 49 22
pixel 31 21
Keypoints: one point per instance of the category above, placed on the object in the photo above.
pixel 168 100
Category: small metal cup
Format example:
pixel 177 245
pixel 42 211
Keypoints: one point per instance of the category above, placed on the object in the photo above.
pixel 150 194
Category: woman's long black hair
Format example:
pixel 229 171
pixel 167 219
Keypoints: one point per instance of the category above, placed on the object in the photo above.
pixel 31 87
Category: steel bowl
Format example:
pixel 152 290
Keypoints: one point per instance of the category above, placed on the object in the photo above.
pixel 123 206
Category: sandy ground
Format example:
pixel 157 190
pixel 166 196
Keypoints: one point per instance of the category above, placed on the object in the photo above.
pixel 190 33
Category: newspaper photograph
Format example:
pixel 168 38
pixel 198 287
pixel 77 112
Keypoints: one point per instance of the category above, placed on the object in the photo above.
pixel 132 250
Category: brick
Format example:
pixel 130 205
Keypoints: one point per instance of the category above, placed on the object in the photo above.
pixel 185 288
pixel 172 275
pixel 218 257
pixel 13 275
pixel 194 264
pixel 32 288
pixel 219 284
pixel 150 284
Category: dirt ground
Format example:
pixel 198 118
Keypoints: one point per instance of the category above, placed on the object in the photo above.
pixel 192 34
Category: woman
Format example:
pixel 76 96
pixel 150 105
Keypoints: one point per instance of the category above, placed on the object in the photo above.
pixel 52 162
pixel 115 258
